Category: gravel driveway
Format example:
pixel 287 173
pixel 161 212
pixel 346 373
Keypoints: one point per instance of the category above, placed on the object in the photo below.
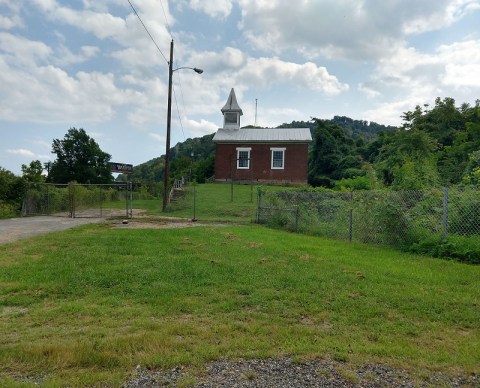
pixel 17 228
pixel 285 373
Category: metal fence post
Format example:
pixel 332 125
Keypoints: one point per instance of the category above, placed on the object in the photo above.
pixel 71 197
pixel 101 201
pixel 130 185
pixel 350 224
pixel 297 217
pixel 259 204
pixel 194 201
pixel 445 213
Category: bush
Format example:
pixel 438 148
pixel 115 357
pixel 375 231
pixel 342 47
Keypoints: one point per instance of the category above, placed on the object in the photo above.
pixel 356 183
pixel 7 210
pixel 465 249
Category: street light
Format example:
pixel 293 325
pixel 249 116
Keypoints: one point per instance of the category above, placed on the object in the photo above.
pixel 171 70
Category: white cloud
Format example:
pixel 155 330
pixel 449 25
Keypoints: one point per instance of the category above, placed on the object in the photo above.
pixel 370 92
pixel 430 16
pixel 43 143
pixel 349 29
pixel 462 75
pixel 127 38
pixel 456 64
pixel 23 52
pixel 233 67
pixel 48 94
pixel 229 59
pixel 10 15
pixel 264 72
pixel 65 57
pixel 389 113
pixel 271 117
pixel 102 24
pixel 199 127
pixel 417 78
pixel 157 137
pixel 22 152
pixel 213 8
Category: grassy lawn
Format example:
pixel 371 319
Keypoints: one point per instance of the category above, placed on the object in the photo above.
pixel 89 304
pixel 213 202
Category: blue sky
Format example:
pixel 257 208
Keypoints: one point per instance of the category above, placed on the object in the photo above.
pixel 90 64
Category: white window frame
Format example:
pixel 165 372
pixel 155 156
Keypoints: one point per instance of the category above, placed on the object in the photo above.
pixel 243 149
pixel 277 149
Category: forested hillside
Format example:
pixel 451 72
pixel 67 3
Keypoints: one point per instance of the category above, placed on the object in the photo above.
pixel 436 146
pixel 195 157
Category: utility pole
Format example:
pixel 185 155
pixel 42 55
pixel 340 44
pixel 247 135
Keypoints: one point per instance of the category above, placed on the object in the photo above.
pixel 169 123
pixel 171 70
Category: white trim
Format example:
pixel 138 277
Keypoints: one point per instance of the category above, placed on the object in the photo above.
pixel 243 149
pixel 277 149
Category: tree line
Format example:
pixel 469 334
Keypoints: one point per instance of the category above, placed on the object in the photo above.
pixel 435 146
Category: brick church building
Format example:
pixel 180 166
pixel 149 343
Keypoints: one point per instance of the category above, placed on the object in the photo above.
pixel 265 155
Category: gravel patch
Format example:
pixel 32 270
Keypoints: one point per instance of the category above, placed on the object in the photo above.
pixel 285 373
pixel 18 228
pixel 165 224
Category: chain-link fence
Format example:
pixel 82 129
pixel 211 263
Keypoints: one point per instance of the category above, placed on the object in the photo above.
pixel 385 217
pixel 78 200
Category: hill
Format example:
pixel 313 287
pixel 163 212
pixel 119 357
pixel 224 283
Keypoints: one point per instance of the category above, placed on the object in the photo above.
pixel 195 157
pixel 356 129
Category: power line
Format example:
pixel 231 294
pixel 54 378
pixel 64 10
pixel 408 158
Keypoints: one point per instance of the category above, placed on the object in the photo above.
pixel 181 95
pixel 166 20
pixel 183 103
pixel 178 111
pixel 148 32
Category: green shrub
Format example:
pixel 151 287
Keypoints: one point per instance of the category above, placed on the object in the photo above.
pixel 461 248
pixel 7 210
pixel 355 183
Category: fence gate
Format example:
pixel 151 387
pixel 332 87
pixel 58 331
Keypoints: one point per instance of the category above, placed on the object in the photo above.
pixel 78 200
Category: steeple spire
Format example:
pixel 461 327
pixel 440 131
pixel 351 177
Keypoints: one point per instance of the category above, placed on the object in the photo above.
pixel 231 112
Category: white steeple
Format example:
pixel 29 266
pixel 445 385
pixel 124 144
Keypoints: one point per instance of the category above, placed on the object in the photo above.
pixel 231 112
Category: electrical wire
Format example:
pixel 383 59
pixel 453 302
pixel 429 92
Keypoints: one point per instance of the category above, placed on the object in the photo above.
pixel 181 95
pixel 148 32
pixel 166 20
pixel 178 112
pixel 164 57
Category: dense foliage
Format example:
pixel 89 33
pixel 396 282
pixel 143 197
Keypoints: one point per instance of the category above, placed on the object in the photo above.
pixel 193 159
pixel 12 189
pixel 436 146
pixel 80 159
pixel 437 222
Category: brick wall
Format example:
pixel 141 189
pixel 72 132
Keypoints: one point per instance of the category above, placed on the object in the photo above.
pixel 295 164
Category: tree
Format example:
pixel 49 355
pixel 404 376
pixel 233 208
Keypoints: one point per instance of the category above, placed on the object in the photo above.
pixel 406 160
pixel 12 189
pixel 33 172
pixel 79 158
pixel 332 156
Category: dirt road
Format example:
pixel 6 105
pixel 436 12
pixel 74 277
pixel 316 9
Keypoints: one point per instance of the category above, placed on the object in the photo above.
pixel 17 228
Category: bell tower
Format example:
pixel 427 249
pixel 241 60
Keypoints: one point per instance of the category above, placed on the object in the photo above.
pixel 232 112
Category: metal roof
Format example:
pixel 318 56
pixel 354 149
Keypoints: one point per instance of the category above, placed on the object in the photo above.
pixel 232 105
pixel 256 135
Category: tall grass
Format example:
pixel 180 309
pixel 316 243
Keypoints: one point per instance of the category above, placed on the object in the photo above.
pixel 85 306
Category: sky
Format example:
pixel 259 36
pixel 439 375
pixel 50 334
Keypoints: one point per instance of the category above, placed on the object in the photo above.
pixel 101 66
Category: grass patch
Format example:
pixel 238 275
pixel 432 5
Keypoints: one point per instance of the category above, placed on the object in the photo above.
pixel 216 202
pixel 86 305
